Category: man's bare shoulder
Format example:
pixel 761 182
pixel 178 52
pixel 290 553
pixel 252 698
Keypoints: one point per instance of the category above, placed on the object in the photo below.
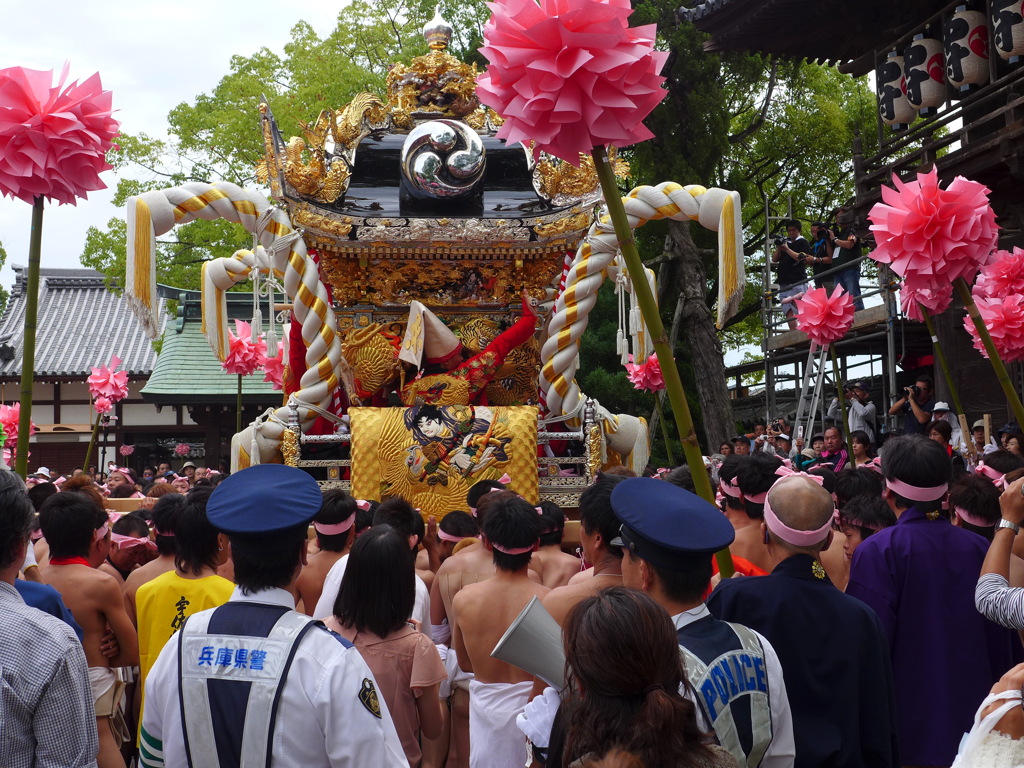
pixel 145 573
pixel 559 601
pixel 469 559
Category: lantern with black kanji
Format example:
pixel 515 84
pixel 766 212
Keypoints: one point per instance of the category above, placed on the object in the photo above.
pixel 924 73
pixel 893 106
pixel 965 40
pixel 1008 29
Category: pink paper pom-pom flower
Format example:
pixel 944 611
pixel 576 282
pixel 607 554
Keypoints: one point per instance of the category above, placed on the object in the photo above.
pixel 569 74
pixel 912 299
pixel 932 236
pixel 1002 276
pixel 126 450
pixel 9 416
pixel 1004 319
pixel 104 381
pixel 182 449
pixel 102 404
pixel 273 368
pixel 244 356
pixel 825 318
pixel 53 139
pixel 646 375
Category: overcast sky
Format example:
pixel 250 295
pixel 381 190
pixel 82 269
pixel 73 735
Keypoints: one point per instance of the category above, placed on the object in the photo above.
pixel 152 56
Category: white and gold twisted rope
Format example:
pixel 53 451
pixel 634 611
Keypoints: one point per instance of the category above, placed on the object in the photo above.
pixel 716 209
pixel 280 251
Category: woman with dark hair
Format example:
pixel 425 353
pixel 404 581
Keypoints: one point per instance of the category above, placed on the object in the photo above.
pixel 633 704
pixel 861 449
pixel 372 611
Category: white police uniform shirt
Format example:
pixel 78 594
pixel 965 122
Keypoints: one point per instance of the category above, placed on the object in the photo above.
pixel 332 584
pixel 321 721
pixel 782 750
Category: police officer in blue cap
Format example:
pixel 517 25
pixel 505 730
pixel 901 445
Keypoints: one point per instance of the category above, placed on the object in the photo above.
pixel 670 536
pixel 253 682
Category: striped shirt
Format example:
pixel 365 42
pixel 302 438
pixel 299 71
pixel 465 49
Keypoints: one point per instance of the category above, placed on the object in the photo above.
pixel 997 601
pixel 46 706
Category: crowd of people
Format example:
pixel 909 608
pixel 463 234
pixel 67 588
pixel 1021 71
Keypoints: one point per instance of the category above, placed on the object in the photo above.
pixel 251 618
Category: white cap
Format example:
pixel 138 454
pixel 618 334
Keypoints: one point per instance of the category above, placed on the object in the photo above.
pixel 44 471
pixel 940 406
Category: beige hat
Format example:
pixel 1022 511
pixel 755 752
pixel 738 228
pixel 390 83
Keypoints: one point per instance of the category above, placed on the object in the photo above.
pixel 426 336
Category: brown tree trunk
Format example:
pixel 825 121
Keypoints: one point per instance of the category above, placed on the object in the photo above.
pixel 694 323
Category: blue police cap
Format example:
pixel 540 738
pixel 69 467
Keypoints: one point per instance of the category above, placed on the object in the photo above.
pixel 263 501
pixel 666 525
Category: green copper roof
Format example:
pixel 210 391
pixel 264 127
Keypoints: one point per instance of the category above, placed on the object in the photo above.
pixel 187 371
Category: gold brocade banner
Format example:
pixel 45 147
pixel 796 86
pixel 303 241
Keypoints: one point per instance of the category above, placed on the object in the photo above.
pixel 432 455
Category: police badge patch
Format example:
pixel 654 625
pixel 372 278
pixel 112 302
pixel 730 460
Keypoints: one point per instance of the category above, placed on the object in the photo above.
pixel 368 695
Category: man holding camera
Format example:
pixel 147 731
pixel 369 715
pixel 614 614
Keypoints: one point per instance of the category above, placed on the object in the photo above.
pixel 860 411
pixel 791 255
pixel 821 254
pixel 846 253
pixel 916 405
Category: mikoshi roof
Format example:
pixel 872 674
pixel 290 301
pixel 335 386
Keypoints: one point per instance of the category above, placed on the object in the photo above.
pixel 80 324
pixel 189 373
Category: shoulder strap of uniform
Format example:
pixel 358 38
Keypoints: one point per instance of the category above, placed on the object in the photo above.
pixel 291 628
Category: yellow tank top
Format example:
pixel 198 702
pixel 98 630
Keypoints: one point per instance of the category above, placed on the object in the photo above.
pixel 163 604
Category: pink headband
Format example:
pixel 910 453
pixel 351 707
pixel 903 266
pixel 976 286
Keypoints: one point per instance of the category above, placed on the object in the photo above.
pixel 449 537
pixel 998 480
pixel 839 518
pixel 756 498
pixel 730 488
pixel 100 533
pixel 132 542
pixel 875 465
pixel 330 529
pixel 363 504
pixel 792 535
pixel 505 479
pixel 515 550
pixel 158 532
pixel 973 519
pixel 917 493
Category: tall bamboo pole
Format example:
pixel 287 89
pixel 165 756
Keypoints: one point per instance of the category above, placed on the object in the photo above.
pixel 28 358
pixel 92 442
pixel 940 355
pixel 964 292
pixel 839 385
pixel 649 309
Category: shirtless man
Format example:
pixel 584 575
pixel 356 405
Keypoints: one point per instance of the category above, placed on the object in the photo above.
pixel 556 566
pixel 125 555
pixel 482 612
pixel 755 475
pixel 748 543
pixel 598 526
pixel 333 526
pixel 164 516
pixel 79 538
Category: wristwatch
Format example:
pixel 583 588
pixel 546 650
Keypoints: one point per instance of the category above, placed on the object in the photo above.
pixel 1004 523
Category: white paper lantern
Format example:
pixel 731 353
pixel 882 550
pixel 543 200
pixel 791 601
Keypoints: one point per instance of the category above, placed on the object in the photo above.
pixel 1008 29
pixel 893 106
pixel 924 70
pixel 965 40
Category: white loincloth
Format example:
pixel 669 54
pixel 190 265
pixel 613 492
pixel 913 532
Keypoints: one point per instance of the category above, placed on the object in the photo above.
pixel 494 739
pixel 107 692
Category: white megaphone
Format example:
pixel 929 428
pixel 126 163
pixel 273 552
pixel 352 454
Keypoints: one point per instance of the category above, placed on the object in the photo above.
pixel 534 643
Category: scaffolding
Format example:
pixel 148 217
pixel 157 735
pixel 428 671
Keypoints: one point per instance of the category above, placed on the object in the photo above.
pixel 790 365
